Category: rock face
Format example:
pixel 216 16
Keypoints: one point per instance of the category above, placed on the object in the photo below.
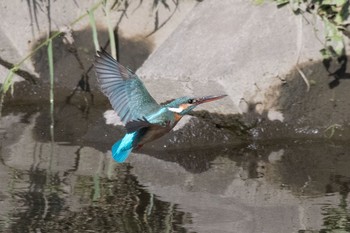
pixel 236 48
pixel 250 52
pixel 245 50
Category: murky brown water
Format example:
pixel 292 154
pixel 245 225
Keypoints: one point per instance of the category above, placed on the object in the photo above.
pixel 72 184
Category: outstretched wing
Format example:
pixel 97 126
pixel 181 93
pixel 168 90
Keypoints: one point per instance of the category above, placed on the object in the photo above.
pixel 126 92
pixel 135 125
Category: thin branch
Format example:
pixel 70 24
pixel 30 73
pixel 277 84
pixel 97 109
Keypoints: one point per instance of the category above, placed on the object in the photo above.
pixel 162 24
pixel 22 73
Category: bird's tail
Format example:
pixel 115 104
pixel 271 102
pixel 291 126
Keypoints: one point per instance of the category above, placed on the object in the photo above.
pixel 122 148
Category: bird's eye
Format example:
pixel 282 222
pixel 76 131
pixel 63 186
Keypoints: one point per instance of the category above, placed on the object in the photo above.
pixel 190 101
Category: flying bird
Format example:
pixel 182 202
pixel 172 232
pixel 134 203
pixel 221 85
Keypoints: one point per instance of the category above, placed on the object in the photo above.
pixel 145 120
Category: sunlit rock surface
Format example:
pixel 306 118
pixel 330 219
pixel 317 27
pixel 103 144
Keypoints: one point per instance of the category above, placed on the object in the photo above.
pixel 237 48
pixel 250 52
pixel 247 51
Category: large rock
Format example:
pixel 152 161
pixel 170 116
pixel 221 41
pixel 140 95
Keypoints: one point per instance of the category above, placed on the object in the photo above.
pixel 237 48
pixel 247 51
pixel 250 52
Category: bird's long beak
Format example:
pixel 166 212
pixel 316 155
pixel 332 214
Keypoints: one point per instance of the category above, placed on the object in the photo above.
pixel 210 98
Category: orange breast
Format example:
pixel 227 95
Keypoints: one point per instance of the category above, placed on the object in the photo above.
pixel 177 117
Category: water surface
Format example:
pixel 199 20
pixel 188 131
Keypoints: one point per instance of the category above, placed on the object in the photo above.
pixel 72 185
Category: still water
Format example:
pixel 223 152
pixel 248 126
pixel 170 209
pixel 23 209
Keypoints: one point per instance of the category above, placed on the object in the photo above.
pixel 71 184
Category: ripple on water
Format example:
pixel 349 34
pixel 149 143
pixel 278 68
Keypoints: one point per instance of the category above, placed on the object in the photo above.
pixel 72 185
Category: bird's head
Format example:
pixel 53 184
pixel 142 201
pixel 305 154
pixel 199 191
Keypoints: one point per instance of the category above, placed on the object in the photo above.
pixel 186 104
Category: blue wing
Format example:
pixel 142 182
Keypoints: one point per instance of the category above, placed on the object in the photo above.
pixel 126 92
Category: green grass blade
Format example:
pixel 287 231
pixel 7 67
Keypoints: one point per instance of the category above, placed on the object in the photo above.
pixel 110 31
pixel 8 83
pixel 94 30
pixel 112 39
pixel 97 190
pixel 50 57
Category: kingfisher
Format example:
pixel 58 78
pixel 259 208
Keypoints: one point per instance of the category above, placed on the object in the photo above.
pixel 145 120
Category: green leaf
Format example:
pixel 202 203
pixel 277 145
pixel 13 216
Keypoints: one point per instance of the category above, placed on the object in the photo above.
pixel 334 37
pixel 325 54
pixel 281 3
pixel 327 2
pixel 340 2
pixel 259 2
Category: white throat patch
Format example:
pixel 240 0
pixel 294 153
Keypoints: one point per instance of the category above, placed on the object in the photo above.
pixel 177 110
